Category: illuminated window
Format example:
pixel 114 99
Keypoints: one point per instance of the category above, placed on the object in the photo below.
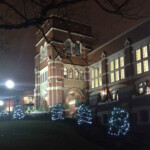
pixel 138 54
pixel 65 72
pixel 96 72
pixel 144 88
pixel 147 90
pixel 139 68
pixel 45 49
pixel 81 74
pixel 143 63
pixel 76 74
pixel 145 66
pixel 111 65
pixel 115 95
pixel 100 81
pixel 41 53
pixel 96 82
pixel 116 64
pixel 112 77
pixel 70 73
pixel 122 75
pixel 117 75
pixel 121 61
pixel 92 74
pixel 117 71
pixel 145 52
pixel 92 83
pixel 100 71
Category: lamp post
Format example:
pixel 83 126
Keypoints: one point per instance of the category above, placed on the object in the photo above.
pixel 10 85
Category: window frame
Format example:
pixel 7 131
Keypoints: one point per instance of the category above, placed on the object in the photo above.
pixel 115 73
pixel 142 61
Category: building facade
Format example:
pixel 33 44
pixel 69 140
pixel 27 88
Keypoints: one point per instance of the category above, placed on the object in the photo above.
pixel 116 73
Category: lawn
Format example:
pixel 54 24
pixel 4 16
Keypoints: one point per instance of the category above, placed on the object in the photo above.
pixel 44 135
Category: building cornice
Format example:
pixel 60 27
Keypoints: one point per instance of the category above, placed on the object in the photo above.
pixel 65 31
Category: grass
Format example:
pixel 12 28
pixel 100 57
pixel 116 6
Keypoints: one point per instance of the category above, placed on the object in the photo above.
pixel 27 135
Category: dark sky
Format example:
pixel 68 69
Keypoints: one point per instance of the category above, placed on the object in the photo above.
pixel 17 61
pixel 18 49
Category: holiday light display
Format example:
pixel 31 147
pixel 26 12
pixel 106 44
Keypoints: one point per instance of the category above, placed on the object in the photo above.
pixel 118 122
pixel 4 115
pixel 84 114
pixel 17 113
pixel 57 112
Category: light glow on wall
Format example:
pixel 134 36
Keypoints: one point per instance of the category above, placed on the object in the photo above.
pixel 11 108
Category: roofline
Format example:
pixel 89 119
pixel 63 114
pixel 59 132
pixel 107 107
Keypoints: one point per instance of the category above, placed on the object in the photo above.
pixel 53 15
pixel 65 31
pixel 120 35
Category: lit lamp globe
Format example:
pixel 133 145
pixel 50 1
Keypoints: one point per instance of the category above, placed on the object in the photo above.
pixel 1 103
pixel 10 84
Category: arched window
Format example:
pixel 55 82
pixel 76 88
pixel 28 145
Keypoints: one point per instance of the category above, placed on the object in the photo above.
pixel 68 47
pixel 70 73
pixel 115 94
pixel 65 72
pixel 77 49
pixel 81 75
pixel 45 50
pixel 76 74
pixel 41 52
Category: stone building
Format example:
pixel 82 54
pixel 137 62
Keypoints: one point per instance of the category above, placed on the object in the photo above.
pixel 114 74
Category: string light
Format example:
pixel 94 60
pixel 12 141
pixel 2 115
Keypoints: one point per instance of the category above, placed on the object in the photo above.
pixel 17 113
pixel 118 122
pixel 57 112
pixel 84 114
pixel 4 115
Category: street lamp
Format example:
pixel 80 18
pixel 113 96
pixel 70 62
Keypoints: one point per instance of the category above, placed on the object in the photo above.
pixel 10 85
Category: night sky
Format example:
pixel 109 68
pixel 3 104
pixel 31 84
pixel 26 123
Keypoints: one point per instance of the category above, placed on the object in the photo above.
pixel 18 49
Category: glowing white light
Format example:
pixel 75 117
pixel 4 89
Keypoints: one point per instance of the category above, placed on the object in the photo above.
pixel 10 84
pixel 72 102
pixel 103 93
pixel 1 103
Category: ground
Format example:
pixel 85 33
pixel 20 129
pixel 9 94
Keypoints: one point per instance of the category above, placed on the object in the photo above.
pixel 26 135
pixel 66 134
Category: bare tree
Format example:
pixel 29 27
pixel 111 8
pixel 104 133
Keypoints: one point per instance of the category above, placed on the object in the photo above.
pixel 18 14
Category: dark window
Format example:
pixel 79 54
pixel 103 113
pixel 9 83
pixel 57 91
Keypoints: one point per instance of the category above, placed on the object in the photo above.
pixel 144 116
pixel 133 118
pixel 77 49
pixel 68 47
pixel 105 118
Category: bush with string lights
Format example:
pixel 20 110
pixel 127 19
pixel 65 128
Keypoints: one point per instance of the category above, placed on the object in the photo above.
pixel 84 114
pixel 118 123
pixel 4 115
pixel 17 113
pixel 57 112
